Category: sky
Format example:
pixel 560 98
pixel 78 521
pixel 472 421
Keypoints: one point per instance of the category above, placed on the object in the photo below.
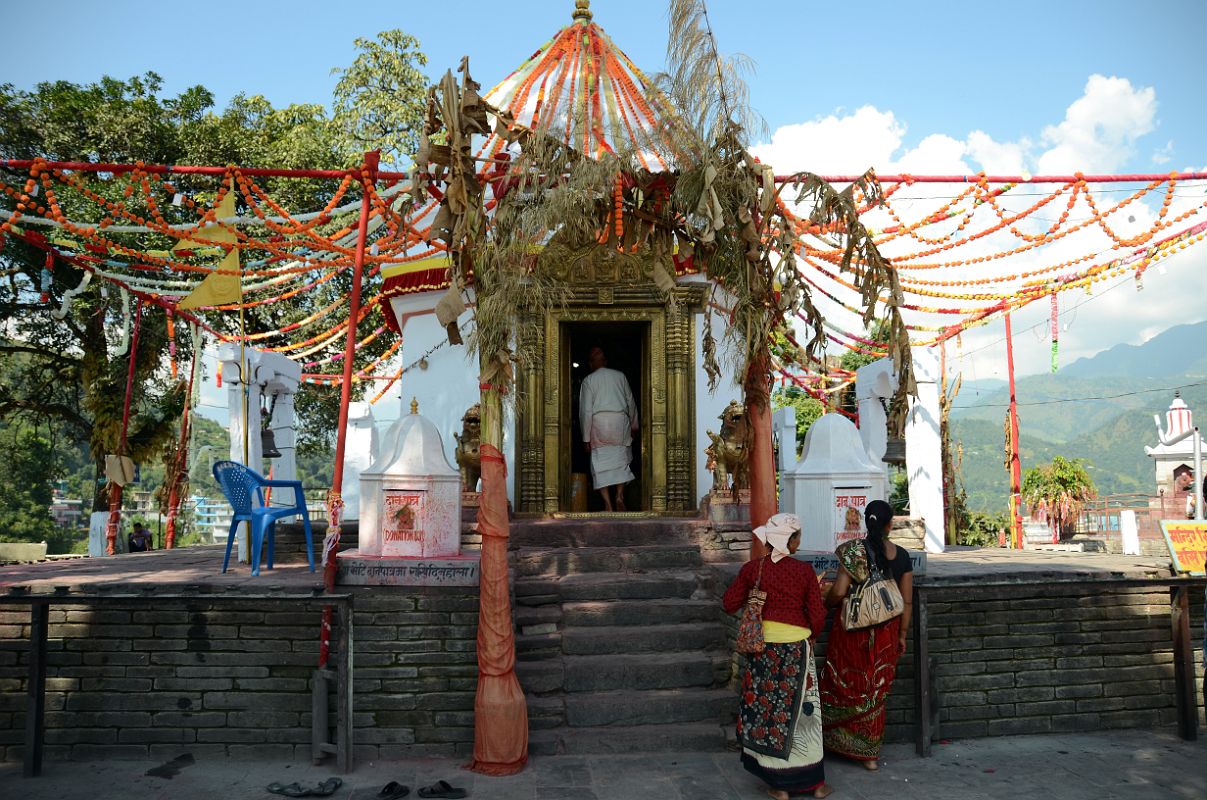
pixel 938 87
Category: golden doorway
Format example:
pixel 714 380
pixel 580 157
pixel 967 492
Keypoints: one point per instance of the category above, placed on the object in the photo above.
pixel 653 343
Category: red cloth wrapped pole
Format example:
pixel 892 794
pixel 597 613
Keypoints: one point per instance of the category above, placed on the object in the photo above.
pixel 762 451
pixel 500 710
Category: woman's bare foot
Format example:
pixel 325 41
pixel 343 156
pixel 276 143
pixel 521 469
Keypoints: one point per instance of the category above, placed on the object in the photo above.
pixel 825 790
pixel 871 766
pixel 776 794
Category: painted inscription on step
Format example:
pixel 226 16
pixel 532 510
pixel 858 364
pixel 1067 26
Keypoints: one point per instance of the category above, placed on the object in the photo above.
pixel 409 572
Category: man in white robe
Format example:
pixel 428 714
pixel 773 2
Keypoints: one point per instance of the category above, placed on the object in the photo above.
pixel 608 416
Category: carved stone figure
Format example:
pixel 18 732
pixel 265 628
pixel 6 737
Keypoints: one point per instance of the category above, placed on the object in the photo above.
pixel 729 453
pixel 469 458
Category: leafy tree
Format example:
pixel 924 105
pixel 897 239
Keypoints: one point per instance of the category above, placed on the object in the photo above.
pixel 26 476
pixel 380 98
pixel 1057 492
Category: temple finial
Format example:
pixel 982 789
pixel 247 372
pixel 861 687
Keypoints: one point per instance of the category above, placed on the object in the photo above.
pixel 582 10
pixel 414 405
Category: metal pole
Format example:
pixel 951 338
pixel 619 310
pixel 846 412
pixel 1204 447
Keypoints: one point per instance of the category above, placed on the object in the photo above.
pixel 1198 475
pixel 1016 518
pixel 334 503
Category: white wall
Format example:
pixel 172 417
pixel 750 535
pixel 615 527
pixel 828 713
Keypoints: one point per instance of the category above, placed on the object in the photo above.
pixel 449 385
pixel 709 406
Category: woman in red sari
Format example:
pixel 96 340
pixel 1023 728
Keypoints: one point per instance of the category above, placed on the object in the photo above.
pixel 861 664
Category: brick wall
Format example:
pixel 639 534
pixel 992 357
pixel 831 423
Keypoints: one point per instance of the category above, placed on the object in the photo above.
pixel 1053 658
pixel 208 679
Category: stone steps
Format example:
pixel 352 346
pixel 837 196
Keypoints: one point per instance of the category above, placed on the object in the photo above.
pixel 536 591
pixel 688 737
pixel 607 532
pixel 647 639
pixel 591 613
pixel 560 561
pixel 620 644
pixel 640 671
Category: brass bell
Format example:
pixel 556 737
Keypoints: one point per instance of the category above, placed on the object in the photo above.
pixel 894 452
pixel 268 444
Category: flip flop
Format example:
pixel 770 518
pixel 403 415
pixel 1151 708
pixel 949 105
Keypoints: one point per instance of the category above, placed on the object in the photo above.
pixel 392 791
pixel 326 788
pixel 287 789
pixel 442 789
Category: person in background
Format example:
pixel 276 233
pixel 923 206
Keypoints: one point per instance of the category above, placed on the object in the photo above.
pixel 861 664
pixel 139 540
pixel 608 416
pixel 779 724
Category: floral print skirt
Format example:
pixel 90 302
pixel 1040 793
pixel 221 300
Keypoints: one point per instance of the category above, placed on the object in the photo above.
pixel 779 724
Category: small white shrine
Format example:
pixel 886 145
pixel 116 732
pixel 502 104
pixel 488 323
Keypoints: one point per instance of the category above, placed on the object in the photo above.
pixel 411 495
pixel 410 513
pixel 832 484
pixel 1173 464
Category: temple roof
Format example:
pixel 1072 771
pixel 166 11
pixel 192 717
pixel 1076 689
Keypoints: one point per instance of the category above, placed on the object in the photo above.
pixel 581 88
pixel 578 87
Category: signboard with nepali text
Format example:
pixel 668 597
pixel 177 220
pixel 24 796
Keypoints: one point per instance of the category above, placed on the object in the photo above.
pixel 1187 542
pixel 402 527
pixel 848 506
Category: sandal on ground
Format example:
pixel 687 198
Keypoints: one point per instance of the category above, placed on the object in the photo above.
pixel 326 788
pixel 287 789
pixel 393 791
pixel 442 789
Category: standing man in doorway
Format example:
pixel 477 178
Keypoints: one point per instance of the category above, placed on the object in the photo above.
pixel 608 416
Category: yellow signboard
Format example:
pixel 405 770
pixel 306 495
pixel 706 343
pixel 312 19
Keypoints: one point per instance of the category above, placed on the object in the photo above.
pixel 1187 542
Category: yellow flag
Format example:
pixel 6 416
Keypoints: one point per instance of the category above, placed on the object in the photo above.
pixel 224 285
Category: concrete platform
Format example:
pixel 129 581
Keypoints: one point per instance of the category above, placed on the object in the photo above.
pixel 202 567
pixel 1117 765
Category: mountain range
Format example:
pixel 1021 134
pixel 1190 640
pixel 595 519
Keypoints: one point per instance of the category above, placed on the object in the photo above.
pixel 1099 409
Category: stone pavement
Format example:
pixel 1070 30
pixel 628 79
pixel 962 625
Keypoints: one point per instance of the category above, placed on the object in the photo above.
pixel 1100 766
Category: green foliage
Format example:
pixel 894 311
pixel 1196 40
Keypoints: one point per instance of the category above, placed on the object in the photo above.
pixel 379 99
pixel 26 475
pixel 1058 491
pixel 899 495
pixel 980 529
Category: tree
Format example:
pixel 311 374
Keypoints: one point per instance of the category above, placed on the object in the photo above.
pixel 71 374
pixel 26 475
pixel 1057 492
pixel 379 99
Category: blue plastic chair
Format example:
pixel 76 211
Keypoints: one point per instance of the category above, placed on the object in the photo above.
pixel 238 484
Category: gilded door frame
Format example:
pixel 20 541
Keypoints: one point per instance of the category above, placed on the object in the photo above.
pixel 669 465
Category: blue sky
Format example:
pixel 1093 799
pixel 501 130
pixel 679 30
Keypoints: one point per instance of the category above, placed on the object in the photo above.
pixel 1005 68
pixel 935 87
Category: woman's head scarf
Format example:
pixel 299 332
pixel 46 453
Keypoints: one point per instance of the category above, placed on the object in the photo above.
pixel 776 533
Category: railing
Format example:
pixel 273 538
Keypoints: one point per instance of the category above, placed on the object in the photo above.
pixel 1101 516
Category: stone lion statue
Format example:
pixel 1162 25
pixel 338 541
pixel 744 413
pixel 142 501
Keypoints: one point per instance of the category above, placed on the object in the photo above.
pixel 469 457
pixel 729 453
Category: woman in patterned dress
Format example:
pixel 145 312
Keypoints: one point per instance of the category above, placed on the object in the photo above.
pixel 861 664
pixel 779 725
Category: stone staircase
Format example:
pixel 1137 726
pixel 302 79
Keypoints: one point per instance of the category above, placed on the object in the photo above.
pixel 620 640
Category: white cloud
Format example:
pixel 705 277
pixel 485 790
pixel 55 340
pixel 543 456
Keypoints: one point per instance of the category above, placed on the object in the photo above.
pixel 1100 128
pixel 1099 133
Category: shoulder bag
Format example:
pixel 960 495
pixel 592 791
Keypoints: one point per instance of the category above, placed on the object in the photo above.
pixel 875 600
pixel 750 627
